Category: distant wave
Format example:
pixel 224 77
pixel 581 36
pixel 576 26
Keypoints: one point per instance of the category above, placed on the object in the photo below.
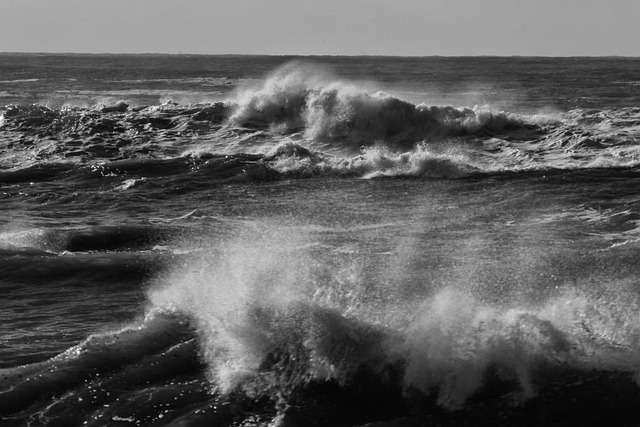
pixel 296 98
pixel 375 162
pixel 205 81
pixel 19 81
pixel 302 122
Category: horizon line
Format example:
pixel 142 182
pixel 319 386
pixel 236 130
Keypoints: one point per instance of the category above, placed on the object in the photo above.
pixel 311 55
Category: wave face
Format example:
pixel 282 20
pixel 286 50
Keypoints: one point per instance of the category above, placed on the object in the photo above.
pixel 244 241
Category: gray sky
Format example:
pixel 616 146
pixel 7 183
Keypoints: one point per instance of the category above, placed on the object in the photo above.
pixel 318 27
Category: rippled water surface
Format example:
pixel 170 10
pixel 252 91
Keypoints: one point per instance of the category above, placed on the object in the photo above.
pixel 330 241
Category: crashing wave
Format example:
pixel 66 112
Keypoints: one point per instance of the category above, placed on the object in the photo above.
pixel 296 99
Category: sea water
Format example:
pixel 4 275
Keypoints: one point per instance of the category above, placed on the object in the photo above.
pixel 326 241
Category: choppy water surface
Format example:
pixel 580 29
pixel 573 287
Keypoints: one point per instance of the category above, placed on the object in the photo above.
pixel 195 240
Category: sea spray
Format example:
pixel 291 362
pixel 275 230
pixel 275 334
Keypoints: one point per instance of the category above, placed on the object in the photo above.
pixel 456 339
pixel 273 317
pixel 221 286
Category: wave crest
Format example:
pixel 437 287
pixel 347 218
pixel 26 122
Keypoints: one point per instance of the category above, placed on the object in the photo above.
pixel 295 99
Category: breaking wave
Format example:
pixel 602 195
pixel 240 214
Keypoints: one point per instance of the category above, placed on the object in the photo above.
pixel 264 311
pixel 297 98
pixel 258 323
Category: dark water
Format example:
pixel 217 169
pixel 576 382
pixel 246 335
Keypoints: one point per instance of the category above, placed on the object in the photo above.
pixel 328 241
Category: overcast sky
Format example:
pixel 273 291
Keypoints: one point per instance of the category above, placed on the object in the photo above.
pixel 319 27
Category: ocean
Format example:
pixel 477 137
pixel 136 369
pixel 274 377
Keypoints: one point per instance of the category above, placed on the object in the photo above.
pixel 319 241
